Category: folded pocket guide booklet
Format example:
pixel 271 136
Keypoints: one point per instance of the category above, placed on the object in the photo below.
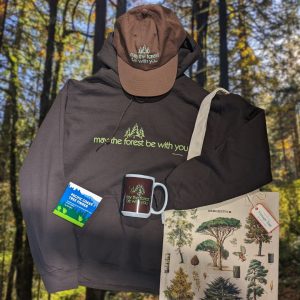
pixel 77 204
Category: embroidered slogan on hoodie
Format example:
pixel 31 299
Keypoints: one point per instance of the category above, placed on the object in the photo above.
pixel 135 137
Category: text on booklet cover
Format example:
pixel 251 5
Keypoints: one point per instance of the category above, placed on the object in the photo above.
pixel 77 204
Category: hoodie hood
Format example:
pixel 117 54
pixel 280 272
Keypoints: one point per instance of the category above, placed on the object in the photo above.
pixel 188 53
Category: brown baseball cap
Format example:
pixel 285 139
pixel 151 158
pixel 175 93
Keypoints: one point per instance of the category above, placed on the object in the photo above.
pixel 147 39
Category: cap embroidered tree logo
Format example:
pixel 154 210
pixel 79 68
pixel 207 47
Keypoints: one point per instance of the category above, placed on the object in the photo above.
pixel 144 50
pixel 135 132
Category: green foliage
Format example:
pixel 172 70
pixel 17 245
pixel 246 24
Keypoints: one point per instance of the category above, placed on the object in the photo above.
pixel 289 265
pixel 220 223
pixel 212 248
pixel 256 233
pixel 219 228
pixel 130 296
pixel 221 289
pixel 207 245
pixel 256 275
pixel 181 231
pixel 289 208
pixel 180 288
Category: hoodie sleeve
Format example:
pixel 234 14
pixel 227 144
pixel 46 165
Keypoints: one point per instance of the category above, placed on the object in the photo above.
pixel 52 239
pixel 235 157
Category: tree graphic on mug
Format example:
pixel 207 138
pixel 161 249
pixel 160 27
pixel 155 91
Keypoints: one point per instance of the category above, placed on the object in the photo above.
pixel 211 247
pixel 222 288
pixel 256 275
pixel 180 234
pixel 180 287
pixel 139 190
pixel 256 233
pixel 220 228
pixel 135 132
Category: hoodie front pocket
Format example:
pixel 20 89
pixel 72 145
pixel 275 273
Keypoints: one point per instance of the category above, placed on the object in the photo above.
pixel 128 243
pixel 100 240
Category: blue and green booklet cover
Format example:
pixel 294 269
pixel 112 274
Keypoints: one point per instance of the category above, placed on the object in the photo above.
pixel 77 204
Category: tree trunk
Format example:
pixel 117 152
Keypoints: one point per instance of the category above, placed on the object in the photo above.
pixel 13 192
pixel 39 287
pixel 11 272
pixel 121 8
pixel 224 81
pixel 3 232
pixel 259 248
pixel 214 257
pixel 56 76
pixel 27 271
pixel 243 40
pixel 17 258
pixel 47 77
pixel 281 131
pixel 99 36
pixel 100 26
pixel 60 46
pixel 181 256
pixel 296 146
pixel 94 294
pixel 4 142
pixel 3 10
pixel 13 88
pixel 192 32
pixel 23 276
pixel 220 256
pixel 202 13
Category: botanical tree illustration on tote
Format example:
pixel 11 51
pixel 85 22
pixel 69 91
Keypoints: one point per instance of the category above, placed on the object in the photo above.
pixel 256 275
pixel 211 247
pixel 221 289
pixel 179 234
pixel 220 228
pixel 180 288
pixel 256 233
pixel 135 132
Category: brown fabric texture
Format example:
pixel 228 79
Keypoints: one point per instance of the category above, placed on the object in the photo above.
pixel 147 39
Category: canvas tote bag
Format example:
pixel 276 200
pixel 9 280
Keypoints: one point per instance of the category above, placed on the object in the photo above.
pixel 219 251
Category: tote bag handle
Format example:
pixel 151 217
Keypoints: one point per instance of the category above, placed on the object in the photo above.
pixel 197 139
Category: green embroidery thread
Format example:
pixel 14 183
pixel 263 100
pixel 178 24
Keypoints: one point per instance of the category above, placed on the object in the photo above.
pixel 135 137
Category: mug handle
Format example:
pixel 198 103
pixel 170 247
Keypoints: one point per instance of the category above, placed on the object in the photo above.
pixel 153 211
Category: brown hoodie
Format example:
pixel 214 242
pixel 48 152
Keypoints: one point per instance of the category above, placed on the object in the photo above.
pixel 112 251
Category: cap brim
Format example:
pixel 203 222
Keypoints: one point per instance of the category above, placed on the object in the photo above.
pixel 147 83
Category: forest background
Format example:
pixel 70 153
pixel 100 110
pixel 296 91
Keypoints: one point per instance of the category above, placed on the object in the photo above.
pixel 248 47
